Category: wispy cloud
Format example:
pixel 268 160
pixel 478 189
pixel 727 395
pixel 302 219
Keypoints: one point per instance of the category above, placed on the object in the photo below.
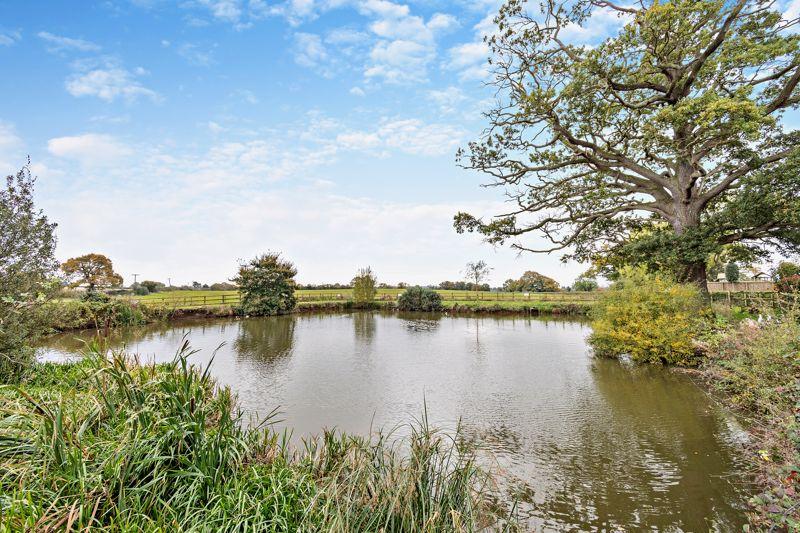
pixel 10 37
pixel 470 59
pixel 58 43
pixel 309 50
pixel 448 100
pixel 109 81
pixel 404 135
pixel 11 155
pixel 196 55
pixel 90 149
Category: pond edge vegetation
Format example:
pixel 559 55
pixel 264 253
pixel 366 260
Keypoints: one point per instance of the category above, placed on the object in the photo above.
pixel 109 444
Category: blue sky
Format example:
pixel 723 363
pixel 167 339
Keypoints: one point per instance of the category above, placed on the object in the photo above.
pixel 178 137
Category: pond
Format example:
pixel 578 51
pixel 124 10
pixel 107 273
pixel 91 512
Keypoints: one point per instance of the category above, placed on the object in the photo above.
pixel 582 444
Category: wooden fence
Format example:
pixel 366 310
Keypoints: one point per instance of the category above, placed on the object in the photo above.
pixel 758 300
pixel 230 298
pixel 741 286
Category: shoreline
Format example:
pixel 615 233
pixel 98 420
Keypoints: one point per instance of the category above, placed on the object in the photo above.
pixel 137 313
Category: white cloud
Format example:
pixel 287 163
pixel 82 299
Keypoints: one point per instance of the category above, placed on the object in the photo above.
pixel 309 50
pixel 357 91
pixel 11 149
pixel 246 96
pixel 58 43
pixel 601 24
pixel 89 149
pixel 224 10
pixel 346 37
pixel 215 127
pixel 449 99
pixel 792 11
pixel 441 22
pixel 399 61
pixel 108 81
pixel 415 137
pixel 409 136
pixel 471 59
pixel 406 43
pixel 10 38
pixel 196 55
pixel 359 140
pixel 295 11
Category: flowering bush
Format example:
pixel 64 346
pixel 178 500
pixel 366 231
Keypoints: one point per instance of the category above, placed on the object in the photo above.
pixel 651 318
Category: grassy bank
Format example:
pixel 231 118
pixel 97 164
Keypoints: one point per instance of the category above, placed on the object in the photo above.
pixel 756 367
pixel 189 299
pixel 66 315
pixel 109 445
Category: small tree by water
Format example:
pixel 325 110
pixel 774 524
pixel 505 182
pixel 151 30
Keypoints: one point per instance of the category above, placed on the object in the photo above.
pixel 266 285
pixel 27 265
pixel 364 286
pixel 419 299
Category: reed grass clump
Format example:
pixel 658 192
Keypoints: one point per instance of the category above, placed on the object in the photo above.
pixel 110 444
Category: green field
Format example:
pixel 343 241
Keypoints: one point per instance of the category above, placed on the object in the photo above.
pixel 510 300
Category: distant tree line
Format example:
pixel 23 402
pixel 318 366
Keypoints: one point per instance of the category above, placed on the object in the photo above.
pixel 463 286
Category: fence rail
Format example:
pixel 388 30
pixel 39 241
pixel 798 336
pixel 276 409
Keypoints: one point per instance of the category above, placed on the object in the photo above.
pixel 740 286
pixel 232 298
pixel 757 299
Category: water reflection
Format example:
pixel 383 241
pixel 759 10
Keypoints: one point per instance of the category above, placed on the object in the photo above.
pixel 254 341
pixel 364 325
pixel 583 444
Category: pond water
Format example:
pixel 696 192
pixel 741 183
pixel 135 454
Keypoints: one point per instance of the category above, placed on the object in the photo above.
pixel 582 444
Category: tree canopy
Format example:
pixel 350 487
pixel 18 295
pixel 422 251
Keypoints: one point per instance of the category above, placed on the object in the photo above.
pixel 667 137
pixel 476 272
pixel 93 270
pixel 27 268
pixel 267 285
pixel 365 285
pixel 531 281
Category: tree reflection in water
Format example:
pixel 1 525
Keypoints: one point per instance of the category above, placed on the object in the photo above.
pixel 364 325
pixel 265 340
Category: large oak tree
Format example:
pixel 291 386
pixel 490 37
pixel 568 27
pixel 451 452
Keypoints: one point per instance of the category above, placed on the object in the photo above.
pixel 667 136
pixel 92 270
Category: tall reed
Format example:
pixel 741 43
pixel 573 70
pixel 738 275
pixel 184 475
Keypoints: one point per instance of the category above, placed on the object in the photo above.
pixel 110 444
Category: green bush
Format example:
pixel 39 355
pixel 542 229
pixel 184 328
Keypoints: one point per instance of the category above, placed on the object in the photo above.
pixel 419 299
pixel 79 314
pixel 267 285
pixel 757 366
pixel 648 317
pixel 140 290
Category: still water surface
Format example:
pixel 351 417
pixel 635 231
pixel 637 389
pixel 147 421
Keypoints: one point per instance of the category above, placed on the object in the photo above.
pixel 582 444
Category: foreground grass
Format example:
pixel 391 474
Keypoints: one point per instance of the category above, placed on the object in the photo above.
pixel 757 367
pixel 110 445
